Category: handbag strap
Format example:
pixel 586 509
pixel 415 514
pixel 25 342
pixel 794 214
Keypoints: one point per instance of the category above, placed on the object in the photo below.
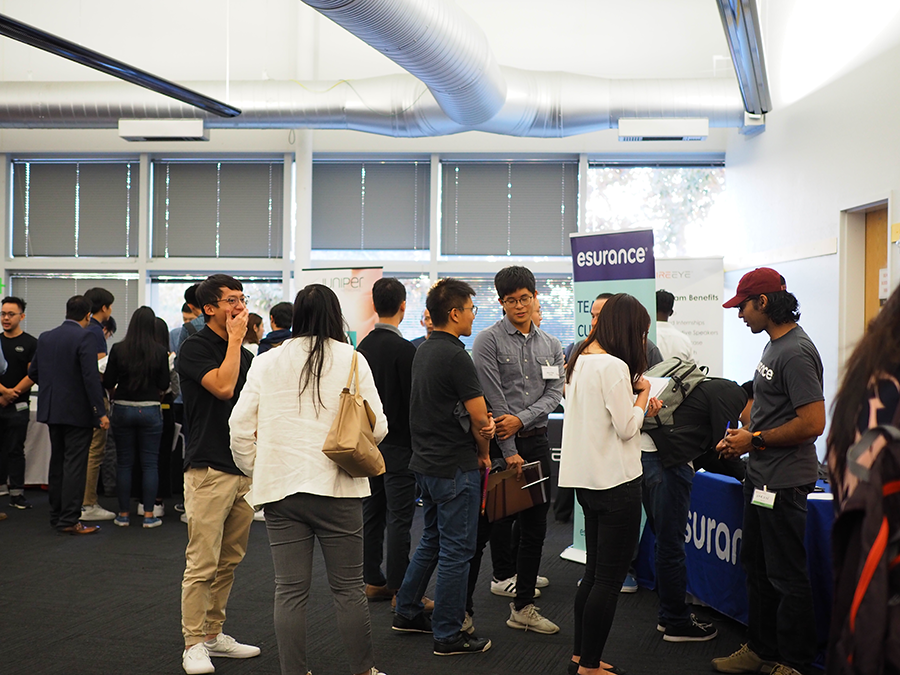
pixel 353 378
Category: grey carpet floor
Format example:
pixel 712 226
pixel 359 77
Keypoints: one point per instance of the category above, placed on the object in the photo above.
pixel 108 604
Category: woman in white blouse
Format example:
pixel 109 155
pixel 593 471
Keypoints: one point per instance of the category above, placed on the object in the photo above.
pixel 601 459
pixel 278 428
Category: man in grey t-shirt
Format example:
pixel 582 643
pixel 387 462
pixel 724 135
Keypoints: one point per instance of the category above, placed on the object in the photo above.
pixel 787 416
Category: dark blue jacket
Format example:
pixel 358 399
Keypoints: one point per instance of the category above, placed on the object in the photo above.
pixel 274 339
pixel 65 370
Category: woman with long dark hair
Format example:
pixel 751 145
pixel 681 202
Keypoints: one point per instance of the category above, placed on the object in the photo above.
pixel 170 472
pixel 869 394
pixel 278 429
pixel 138 371
pixel 601 459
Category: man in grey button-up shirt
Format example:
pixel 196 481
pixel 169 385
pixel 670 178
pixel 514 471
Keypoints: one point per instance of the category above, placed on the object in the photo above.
pixel 520 368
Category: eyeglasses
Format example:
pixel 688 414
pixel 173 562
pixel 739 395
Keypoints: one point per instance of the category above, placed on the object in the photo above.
pixel 9 315
pixel 234 301
pixel 473 308
pixel 525 300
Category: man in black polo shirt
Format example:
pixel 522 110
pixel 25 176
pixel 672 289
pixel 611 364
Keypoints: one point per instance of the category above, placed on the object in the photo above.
pixel 18 348
pixel 450 431
pixel 213 368
pixel 390 357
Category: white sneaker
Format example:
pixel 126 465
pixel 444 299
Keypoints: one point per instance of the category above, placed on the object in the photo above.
pixel 183 518
pixel 541 582
pixel 260 515
pixel 96 512
pixel 374 671
pixel 4 490
pixel 227 646
pixel 507 587
pixel 196 660
pixel 159 510
pixel 528 618
pixel 468 626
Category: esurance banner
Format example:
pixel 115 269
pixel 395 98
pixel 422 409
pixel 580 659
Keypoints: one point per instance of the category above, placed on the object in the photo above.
pixel 613 262
pixel 353 288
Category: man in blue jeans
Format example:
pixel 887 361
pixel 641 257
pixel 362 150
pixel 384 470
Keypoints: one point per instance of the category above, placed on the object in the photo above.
pixel 667 452
pixel 450 431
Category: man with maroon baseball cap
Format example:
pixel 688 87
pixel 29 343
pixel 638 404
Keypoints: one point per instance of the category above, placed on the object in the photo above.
pixel 787 416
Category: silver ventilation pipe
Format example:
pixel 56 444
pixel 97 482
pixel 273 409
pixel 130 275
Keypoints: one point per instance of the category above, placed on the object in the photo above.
pixel 435 41
pixel 538 105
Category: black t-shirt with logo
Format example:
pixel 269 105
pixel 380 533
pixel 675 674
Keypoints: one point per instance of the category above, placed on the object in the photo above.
pixel 443 378
pixel 788 376
pixel 18 352
pixel 209 444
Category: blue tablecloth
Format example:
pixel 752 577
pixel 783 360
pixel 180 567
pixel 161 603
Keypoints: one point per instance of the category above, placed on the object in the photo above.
pixel 713 545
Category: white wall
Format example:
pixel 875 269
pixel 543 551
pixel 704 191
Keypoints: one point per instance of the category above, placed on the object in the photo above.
pixel 837 149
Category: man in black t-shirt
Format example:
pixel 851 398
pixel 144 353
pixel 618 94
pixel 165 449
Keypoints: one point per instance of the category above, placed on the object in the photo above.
pixel 213 369
pixel 391 503
pixel 15 389
pixel 450 431
pixel 787 416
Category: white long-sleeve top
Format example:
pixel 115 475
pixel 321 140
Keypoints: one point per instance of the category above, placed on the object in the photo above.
pixel 286 455
pixel 601 445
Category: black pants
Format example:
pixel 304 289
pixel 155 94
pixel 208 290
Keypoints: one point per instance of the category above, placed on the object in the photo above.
pixel 531 531
pixel 612 521
pixel 68 472
pixel 13 429
pixel 782 624
pixel 391 505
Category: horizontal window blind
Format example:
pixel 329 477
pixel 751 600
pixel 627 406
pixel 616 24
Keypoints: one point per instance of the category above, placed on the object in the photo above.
pixel 74 209
pixel 46 295
pixel 371 205
pixel 217 209
pixel 510 208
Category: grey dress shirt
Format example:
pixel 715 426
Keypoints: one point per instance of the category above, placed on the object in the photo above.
pixel 509 366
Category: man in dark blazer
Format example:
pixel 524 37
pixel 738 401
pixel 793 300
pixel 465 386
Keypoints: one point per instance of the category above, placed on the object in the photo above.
pixel 70 402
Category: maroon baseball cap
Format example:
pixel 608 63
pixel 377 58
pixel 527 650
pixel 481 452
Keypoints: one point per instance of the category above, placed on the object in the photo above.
pixel 759 281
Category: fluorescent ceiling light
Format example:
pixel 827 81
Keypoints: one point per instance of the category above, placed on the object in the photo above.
pixel 740 19
pixel 663 129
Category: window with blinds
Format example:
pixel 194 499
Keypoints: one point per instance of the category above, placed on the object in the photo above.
pixel 46 296
pixel 371 205
pixel 509 208
pixel 74 209
pixel 217 209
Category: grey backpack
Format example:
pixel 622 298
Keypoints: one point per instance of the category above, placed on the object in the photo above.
pixel 683 377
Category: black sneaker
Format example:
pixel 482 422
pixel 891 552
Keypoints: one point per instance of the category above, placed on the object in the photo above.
pixel 462 644
pixel 661 626
pixel 419 624
pixel 19 502
pixel 692 632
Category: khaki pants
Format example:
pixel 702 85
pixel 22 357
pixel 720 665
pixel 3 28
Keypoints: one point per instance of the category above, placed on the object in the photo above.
pixel 95 459
pixel 218 529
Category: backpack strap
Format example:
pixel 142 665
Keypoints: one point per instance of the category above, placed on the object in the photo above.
pixel 863 444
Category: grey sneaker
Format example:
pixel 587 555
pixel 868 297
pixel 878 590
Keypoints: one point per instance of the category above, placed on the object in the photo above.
pixel 195 660
pixel 744 660
pixel 228 647
pixel 96 512
pixel 528 618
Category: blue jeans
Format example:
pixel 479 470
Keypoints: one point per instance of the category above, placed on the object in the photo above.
pixel 667 498
pixel 448 543
pixel 781 624
pixel 137 430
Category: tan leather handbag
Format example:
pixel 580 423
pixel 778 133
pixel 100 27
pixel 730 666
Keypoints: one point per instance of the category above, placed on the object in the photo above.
pixel 350 443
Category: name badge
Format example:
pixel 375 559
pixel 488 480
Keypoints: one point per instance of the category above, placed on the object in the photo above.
pixel 763 498
pixel 21 405
pixel 550 372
